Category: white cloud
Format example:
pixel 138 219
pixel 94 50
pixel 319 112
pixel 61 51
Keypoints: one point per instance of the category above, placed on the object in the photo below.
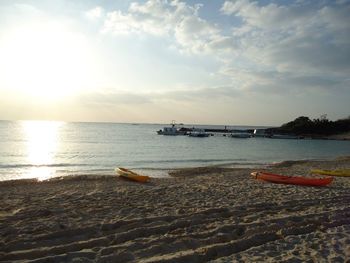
pixel 195 34
pixel 113 98
pixel 268 17
pixel 120 24
pixel 174 19
pixel 95 13
pixel 298 47
pixel 305 44
pixel 193 95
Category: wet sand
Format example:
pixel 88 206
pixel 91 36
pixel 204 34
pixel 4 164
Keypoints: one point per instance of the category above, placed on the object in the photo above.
pixel 196 215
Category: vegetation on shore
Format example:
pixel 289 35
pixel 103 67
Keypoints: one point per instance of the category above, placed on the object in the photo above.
pixel 320 126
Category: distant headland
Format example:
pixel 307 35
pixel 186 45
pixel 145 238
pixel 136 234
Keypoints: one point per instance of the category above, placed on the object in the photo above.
pixel 316 128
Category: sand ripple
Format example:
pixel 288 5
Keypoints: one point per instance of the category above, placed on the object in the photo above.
pixel 221 216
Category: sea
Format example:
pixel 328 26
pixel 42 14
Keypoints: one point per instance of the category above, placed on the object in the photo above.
pixel 46 149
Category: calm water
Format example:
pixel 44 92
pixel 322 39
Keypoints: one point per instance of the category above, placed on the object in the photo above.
pixel 46 149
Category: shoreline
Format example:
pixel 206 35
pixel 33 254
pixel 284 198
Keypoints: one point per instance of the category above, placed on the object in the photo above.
pixel 200 214
pixel 166 172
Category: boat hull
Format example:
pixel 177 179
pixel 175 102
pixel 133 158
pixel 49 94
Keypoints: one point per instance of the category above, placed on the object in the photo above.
pixel 278 136
pixel 241 135
pixel 130 175
pixel 199 135
pixel 294 180
pixel 342 172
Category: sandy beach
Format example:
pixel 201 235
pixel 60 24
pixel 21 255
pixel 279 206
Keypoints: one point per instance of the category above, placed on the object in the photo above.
pixel 197 215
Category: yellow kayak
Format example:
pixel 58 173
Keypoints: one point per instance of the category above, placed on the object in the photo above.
pixel 338 172
pixel 128 174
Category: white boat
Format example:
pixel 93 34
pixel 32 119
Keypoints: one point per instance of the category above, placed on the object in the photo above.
pixel 173 130
pixel 260 133
pixel 198 133
pixel 240 135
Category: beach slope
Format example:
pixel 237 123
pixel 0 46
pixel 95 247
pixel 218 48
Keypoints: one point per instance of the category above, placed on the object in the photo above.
pixel 197 215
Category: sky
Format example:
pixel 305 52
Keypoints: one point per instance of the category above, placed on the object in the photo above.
pixel 198 62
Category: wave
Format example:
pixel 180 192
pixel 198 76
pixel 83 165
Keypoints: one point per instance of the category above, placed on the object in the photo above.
pixel 199 160
pixel 167 165
pixel 6 166
pixel 142 164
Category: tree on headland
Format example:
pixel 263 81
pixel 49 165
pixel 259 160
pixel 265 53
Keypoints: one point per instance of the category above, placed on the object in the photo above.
pixel 321 126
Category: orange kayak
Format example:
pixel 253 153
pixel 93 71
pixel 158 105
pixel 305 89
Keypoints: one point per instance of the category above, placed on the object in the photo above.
pixel 128 174
pixel 296 180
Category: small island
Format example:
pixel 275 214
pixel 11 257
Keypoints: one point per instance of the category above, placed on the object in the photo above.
pixel 320 128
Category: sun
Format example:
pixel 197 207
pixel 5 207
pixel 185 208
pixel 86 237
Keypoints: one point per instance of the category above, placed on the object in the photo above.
pixel 45 61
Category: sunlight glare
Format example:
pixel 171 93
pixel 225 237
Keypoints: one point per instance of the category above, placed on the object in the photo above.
pixel 45 61
pixel 42 143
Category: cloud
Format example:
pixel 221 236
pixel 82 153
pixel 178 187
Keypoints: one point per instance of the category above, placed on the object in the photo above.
pixel 256 82
pixel 203 94
pixel 114 98
pixel 302 45
pixel 129 98
pixel 95 13
pixel 268 34
pixel 153 17
pixel 174 20
pixel 268 17
pixel 301 25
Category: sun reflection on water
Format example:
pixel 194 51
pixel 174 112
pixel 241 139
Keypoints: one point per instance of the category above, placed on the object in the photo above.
pixel 42 139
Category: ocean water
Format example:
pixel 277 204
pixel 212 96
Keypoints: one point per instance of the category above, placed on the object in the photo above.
pixel 39 149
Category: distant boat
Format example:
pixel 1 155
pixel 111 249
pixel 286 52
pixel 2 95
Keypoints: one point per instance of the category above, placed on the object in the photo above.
pixel 198 133
pixel 260 133
pixel 172 131
pixel 295 180
pixel 240 135
pixel 128 174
